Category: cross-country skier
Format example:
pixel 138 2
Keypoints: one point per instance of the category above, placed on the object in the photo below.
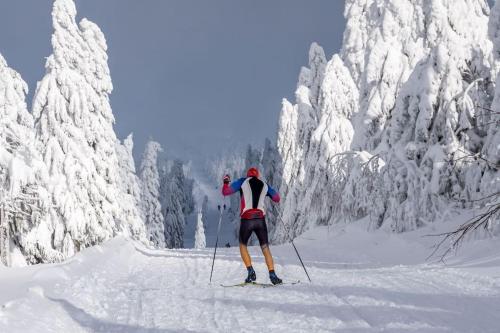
pixel 253 191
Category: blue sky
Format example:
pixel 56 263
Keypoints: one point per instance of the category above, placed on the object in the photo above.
pixel 198 76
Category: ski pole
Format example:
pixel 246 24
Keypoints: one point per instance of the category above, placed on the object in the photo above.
pixel 216 240
pixel 295 248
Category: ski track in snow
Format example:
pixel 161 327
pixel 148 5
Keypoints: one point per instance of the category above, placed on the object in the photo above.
pixel 124 287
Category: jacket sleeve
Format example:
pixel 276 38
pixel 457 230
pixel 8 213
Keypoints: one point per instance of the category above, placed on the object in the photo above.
pixel 273 194
pixel 233 188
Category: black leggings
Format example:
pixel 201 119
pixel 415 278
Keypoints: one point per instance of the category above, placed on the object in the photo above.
pixel 254 225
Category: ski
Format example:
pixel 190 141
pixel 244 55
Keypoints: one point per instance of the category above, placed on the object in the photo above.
pixel 259 284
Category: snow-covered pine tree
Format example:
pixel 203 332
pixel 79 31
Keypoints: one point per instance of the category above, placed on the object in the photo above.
pixel 407 105
pixel 205 210
pixel 189 201
pixel 253 158
pixel 130 187
pixel 430 121
pixel 74 132
pixel 199 237
pixel 271 163
pixel 296 125
pixel 314 191
pixel 271 173
pixel 150 183
pixel 16 121
pixel 4 239
pixel 23 178
pixel 490 117
pixel 175 200
pixel 16 127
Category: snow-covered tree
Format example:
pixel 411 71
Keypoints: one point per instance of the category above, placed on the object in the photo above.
pixel 252 158
pixel 490 117
pixel 204 206
pixel 23 178
pixel 176 199
pixel 74 132
pixel 313 179
pixel 297 122
pixel 271 173
pixel 189 201
pixel 199 237
pixel 130 187
pixel 17 159
pixel 151 206
pixel 398 122
pixel 271 163
pixel 16 121
pixel 435 117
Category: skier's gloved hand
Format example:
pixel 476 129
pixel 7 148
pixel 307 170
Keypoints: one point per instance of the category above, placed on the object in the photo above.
pixel 226 179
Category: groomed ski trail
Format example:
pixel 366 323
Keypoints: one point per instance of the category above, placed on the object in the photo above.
pixel 124 287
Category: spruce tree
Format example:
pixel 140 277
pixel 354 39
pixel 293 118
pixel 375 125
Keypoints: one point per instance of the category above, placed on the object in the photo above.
pixel 22 176
pixel 173 200
pixel 74 132
pixel 151 206
pixel 130 187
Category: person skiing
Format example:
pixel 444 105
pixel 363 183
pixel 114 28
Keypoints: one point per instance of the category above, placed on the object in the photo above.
pixel 253 218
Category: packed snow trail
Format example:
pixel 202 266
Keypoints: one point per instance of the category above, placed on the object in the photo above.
pixel 358 286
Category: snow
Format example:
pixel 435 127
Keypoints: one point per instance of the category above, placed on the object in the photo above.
pixel 362 282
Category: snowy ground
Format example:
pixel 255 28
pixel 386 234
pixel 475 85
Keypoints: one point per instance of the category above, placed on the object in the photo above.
pixel 362 282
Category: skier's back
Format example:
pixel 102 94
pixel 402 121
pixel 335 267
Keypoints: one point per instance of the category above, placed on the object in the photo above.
pixel 253 191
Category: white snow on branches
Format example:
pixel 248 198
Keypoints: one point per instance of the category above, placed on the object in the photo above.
pixel 75 136
pixel 151 206
pixel 23 177
pixel 403 120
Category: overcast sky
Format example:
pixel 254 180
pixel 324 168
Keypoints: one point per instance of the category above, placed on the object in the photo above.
pixel 199 76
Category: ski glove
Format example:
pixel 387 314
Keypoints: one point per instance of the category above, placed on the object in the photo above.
pixel 227 179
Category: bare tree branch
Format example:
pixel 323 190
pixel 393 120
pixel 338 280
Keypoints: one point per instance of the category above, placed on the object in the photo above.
pixel 480 199
pixel 457 237
pixel 486 109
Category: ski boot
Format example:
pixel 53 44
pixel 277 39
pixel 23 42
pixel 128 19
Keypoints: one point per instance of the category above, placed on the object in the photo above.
pixel 274 278
pixel 251 275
